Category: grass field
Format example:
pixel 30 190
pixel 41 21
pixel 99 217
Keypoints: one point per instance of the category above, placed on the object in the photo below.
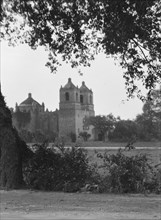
pixel 27 204
pixel 154 157
pixel 155 144
pixel 151 149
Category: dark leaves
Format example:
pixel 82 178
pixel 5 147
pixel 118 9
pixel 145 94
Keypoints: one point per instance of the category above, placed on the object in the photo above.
pixel 78 30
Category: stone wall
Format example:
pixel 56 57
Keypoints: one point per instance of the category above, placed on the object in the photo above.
pixel 66 123
pixel 44 122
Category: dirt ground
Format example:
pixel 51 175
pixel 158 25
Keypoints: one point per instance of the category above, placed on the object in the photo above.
pixel 26 204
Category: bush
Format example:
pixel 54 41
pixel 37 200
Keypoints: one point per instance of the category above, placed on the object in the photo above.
pixel 57 169
pixel 84 135
pixel 128 174
pixel 68 169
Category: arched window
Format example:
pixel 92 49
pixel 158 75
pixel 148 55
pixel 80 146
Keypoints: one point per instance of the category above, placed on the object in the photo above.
pixel 81 98
pixel 90 98
pixel 76 97
pixel 67 96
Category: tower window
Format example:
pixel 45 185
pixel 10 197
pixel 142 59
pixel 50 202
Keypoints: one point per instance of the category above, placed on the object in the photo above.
pixel 90 99
pixel 67 96
pixel 77 97
pixel 81 98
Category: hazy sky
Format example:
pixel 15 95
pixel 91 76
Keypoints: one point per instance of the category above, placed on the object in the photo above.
pixel 23 71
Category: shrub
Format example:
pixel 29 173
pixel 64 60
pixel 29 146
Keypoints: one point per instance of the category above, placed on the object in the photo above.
pixel 68 169
pixel 84 135
pixel 128 174
pixel 57 169
pixel 157 179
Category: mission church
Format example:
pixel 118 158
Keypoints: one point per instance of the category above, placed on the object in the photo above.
pixel 75 105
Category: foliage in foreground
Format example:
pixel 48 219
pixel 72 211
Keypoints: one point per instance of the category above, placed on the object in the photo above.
pixel 129 174
pixel 69 170
pixel 60 169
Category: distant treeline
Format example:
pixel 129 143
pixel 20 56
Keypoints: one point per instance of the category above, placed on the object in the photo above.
pixel 145 127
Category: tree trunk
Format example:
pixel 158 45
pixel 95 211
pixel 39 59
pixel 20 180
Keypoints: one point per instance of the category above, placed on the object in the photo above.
pixel 12 150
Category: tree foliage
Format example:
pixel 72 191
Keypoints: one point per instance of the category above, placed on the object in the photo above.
pixel 85 135
pixel 125 130
pixel 129 174
pixel 145 127
pixel 75 31
pixel 102 124
pixel 149 122
pixel 57 169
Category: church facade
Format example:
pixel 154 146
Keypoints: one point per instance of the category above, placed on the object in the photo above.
pixel 75 105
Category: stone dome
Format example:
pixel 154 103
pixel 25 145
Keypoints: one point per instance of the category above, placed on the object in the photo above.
pixel 29 101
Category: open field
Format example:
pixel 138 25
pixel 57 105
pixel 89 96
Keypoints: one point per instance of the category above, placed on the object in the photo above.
pixel 155 144
pixel 151 149
pixel 97 144
pixel 154 155
pixel 25 204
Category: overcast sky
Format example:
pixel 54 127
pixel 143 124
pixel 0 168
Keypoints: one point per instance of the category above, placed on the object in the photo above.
pixel 23 71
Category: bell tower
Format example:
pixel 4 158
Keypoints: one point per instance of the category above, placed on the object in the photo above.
pixel 69 96
pixel 86 99
pixel 68 106
pixel 75 105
